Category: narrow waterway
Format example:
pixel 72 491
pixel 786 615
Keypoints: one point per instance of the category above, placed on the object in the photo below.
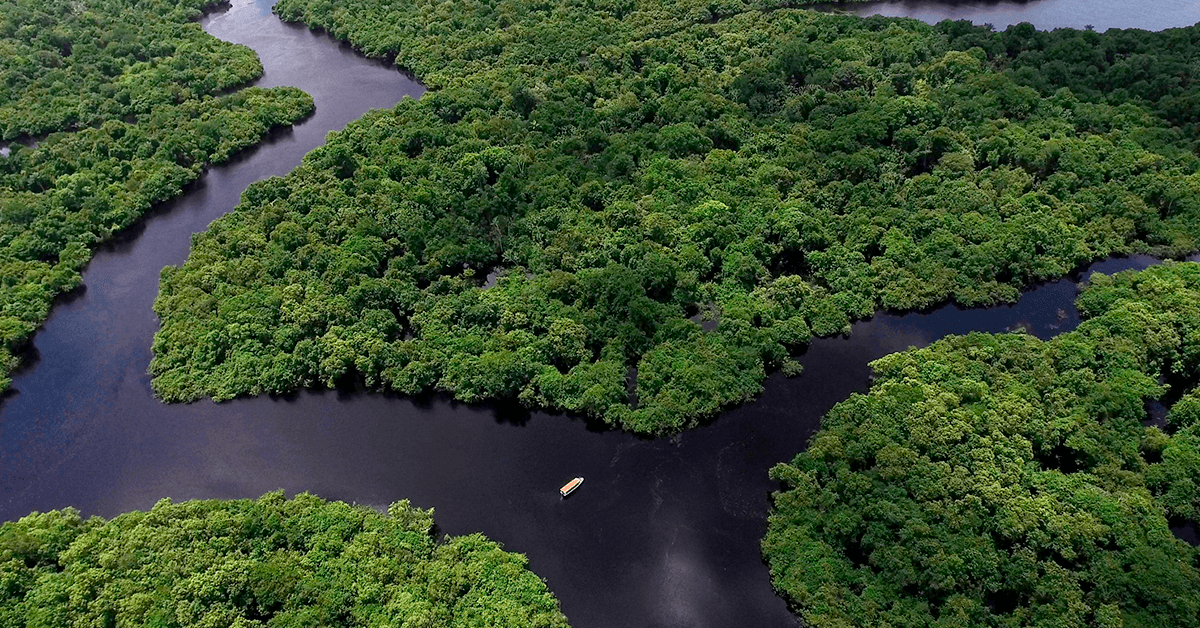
pixel 663 533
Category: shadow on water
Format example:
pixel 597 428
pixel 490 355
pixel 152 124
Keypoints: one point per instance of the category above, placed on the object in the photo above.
pixel 665 532
pixel 1186 530
pixel 215 9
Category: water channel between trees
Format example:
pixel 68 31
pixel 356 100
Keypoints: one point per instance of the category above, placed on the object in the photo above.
pixel 664 533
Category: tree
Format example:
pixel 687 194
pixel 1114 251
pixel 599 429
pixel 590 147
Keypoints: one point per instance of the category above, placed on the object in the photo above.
pixel 270 561
pixel 999 480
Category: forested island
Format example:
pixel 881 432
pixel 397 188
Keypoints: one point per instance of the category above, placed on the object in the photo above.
pixel 625 171
pixel 127 102
pixel 999 480
pixel 298 563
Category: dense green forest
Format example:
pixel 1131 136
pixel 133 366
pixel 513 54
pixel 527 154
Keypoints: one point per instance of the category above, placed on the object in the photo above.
pixel 627 169
pixel 274 562
pixel 999 480
pixel 131 94
pixel 67 65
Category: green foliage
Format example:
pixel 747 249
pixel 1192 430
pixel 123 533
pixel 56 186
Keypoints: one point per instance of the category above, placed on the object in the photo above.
pixel 998 480
pixel 625 165
pixel 128 90
pixel 70 64
pixel 277 562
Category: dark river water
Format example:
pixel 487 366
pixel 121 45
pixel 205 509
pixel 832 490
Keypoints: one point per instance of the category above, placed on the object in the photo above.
pixel 664 532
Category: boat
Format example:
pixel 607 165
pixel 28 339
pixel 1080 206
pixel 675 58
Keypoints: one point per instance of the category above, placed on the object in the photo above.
pixel 570 487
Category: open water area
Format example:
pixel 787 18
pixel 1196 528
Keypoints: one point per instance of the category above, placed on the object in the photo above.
pixel 1101 15
pixel 664 532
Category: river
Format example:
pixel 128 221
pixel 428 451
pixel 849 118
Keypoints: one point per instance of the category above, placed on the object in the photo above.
pixel 663 533
pixel 1101 15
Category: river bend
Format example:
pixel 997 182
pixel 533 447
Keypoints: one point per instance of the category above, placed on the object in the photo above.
pixel 664 533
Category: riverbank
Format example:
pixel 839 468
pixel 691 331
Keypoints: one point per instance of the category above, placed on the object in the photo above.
pixel 666 532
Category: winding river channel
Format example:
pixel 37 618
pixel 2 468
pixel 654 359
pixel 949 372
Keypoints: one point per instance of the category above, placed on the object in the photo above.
pixel 664 533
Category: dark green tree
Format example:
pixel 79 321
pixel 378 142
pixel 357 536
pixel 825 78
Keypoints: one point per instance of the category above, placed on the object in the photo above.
pixel 998 480
pixel 265 562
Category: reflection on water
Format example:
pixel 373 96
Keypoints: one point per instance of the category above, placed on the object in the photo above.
pixel 1154 15
pixel 6 148
pixel 664 533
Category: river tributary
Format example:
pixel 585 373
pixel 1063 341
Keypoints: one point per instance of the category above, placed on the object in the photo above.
pixel 663 533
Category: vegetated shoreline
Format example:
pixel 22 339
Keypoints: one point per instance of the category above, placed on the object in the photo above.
pixel 23 351
pixel 30 141
pixel 19 348
pixel 1073 275
pixel 948 487
pixel 497 224
pixel 84 166
pixel 512 409
pixel 300 562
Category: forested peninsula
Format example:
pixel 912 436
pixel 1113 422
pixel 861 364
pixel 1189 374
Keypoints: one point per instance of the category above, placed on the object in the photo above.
pixel 626 170
pixel 295 563
pixel 127 101
pixel 999 480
